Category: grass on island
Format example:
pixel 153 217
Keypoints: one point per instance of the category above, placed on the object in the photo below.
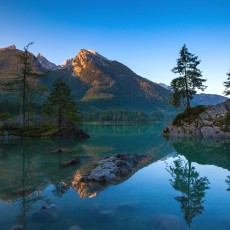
pixel 189 115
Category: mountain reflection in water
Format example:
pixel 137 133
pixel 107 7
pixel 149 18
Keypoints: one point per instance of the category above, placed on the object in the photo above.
pixel 31 176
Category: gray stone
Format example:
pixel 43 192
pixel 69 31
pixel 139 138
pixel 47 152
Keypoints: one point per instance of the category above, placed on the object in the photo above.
pixel 205 125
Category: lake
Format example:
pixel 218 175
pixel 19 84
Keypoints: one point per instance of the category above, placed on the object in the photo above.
pixel 185 186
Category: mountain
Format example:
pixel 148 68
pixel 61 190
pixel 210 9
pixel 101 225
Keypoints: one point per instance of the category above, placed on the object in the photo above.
pixel 115 82
pixel 99 84
pixel 10 65
pixel 203 98
pixel 46 63
pixel 208 99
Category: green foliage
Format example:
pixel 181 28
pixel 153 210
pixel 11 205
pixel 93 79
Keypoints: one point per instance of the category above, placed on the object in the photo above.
pixel 61 105
pixel 227 85
pixel 189 115
pixel 227 118
pixel 184 86
pixel 4 116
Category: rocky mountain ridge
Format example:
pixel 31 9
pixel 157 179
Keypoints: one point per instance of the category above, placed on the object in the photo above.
pixel 97 83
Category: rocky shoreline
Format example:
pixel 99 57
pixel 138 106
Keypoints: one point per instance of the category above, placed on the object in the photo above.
pixel 210 123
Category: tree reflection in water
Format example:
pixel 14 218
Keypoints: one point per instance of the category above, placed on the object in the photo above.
pixel 188 181
pixel 228 182
pixel 27 197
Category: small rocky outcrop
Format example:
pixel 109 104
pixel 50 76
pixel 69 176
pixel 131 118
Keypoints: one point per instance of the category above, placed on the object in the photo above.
pixel 107 171
pixel 209 123
pixel 71 131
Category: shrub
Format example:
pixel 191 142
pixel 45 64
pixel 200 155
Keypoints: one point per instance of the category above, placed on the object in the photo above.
pixel 189 115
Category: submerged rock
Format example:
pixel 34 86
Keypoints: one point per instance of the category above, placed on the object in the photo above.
pixel 18 227
pixel 75 227
pixel 47 214
pixel 109 170
pixel 70 163
pixel 162 221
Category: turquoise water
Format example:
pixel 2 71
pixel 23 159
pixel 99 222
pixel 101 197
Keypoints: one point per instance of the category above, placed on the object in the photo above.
pixel 184 187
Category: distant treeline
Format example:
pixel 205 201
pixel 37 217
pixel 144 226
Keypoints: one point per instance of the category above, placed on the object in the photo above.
pixel 14 107
pixel 123 116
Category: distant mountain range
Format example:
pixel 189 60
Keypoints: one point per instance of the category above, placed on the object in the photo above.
pixel 96 82
pixel 99 84
pixel 203 98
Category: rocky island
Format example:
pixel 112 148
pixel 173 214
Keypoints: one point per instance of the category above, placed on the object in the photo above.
pixel 108 171
pixel 202 121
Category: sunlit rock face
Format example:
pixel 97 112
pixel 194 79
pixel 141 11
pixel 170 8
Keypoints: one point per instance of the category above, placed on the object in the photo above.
pixel 108 171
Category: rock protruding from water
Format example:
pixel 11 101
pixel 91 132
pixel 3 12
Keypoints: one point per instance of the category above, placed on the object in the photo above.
pixel 109 170
pixel 71 131
pixel 210 123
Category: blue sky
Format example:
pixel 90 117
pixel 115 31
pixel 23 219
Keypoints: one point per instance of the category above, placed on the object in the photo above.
pixel 144 35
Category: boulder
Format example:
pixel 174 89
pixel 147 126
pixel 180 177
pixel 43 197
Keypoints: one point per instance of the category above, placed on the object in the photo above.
pixel 211 123
pixel 72 162
pixel 107 171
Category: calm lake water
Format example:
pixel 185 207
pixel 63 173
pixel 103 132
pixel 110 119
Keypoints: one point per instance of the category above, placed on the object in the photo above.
pixel 185 186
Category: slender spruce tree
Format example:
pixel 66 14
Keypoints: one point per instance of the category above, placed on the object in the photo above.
pixel 25 82
pixel 184 86
pixel 227 85
pixel 61 105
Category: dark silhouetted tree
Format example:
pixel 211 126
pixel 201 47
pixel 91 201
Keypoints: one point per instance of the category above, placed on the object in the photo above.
pixel 227 85
pixel 184 86
pixel 61 104
pixel 188 181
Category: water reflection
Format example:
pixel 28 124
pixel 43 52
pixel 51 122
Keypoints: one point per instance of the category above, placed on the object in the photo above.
pixel 228 183
pixel 204 151
pixel 193 187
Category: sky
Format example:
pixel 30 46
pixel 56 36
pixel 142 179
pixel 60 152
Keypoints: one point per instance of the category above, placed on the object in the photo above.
pixel 144 35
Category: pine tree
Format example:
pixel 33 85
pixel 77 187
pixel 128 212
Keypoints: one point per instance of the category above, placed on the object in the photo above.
pixel 24 84
pixel 227 85
pixel 61 104
pixel 184 86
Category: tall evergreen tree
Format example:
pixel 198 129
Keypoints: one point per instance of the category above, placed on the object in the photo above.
pixel 61 104
pixel 184 86
pixel 24 84
pixel 227 85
